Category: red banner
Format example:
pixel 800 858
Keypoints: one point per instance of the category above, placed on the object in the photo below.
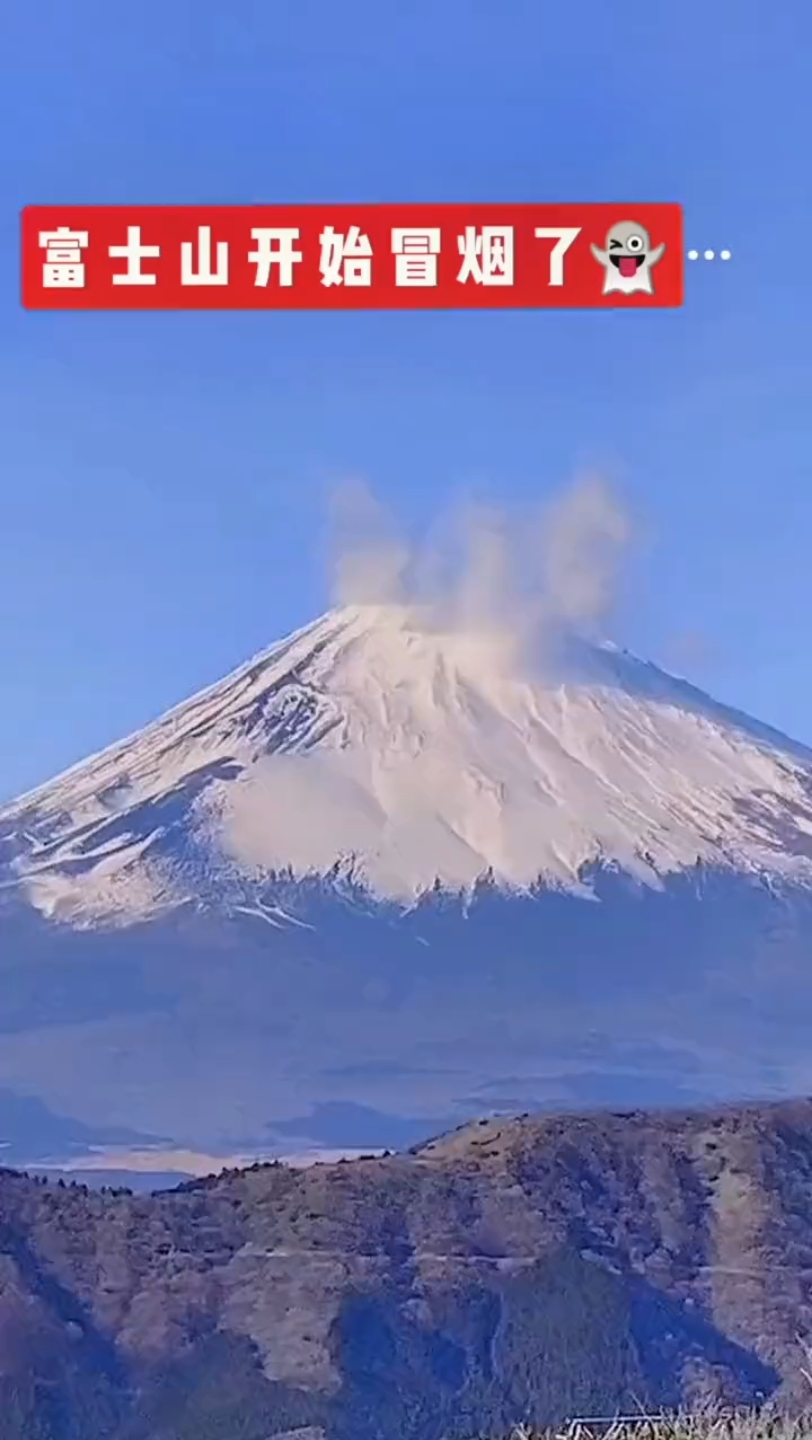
pixel 350 257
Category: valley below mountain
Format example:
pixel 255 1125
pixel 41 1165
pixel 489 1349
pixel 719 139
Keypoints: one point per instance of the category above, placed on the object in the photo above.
pixel 353 1025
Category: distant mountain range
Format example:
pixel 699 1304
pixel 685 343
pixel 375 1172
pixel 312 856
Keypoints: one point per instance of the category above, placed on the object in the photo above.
pixel 538 1270
pixel 392 874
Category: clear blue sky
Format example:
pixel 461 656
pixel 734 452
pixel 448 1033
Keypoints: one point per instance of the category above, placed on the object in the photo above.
pixel 163 477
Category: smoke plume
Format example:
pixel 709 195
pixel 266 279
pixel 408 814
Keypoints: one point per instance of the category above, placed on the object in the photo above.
pixel 526 574
pixel 369 560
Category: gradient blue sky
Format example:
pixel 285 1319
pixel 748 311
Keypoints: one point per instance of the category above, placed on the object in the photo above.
pixel 164 477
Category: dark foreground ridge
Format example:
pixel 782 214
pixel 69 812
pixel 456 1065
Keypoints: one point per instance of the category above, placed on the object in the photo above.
pixel 527 1270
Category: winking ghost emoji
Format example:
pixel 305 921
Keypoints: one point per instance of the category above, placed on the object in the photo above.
pixel 628 259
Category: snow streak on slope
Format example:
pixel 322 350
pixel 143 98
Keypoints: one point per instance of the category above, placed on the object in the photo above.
pixel 373 738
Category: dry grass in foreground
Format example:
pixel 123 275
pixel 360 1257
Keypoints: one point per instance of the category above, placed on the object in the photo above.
pixel 744 1426
pixel 729 1425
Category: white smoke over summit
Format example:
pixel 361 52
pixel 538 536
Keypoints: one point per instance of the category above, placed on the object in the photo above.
pixel 486 569
pixel 369 561
pixel 585 537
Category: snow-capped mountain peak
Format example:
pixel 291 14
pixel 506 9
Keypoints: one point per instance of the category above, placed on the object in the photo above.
pixel 416 753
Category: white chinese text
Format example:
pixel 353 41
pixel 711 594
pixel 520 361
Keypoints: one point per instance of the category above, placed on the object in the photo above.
pixel 275 247
pixel 416 252
pixel 134 252
pixel 487 255
pixel 63 268
pixel 345 259
pixel 204 274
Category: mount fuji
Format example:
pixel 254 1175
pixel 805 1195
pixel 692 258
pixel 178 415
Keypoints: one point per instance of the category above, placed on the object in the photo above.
pixel 395 872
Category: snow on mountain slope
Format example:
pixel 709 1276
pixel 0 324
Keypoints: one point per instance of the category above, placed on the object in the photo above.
pixel 412 753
